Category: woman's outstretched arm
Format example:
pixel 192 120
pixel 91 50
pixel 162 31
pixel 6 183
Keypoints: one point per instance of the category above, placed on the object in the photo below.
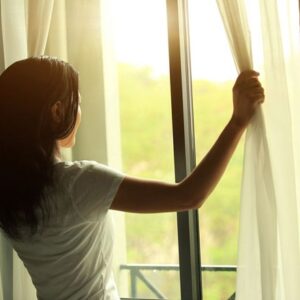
pixel 149 196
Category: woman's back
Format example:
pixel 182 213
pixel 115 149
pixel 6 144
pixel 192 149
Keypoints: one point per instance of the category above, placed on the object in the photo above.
pixel 72 256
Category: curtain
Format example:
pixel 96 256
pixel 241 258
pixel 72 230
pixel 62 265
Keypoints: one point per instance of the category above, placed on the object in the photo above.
pixel 268 254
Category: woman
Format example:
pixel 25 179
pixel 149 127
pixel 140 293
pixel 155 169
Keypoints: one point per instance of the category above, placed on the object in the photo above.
pixel 56 213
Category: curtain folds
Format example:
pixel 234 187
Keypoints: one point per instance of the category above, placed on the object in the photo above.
pixel 13 28
pixel 269 253
pixel 38 22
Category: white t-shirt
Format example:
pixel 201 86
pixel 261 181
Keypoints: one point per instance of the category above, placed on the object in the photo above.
pixel 72 257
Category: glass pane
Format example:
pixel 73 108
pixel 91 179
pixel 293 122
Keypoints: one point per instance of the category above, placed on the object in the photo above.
pixel 140 38
pixel 213 74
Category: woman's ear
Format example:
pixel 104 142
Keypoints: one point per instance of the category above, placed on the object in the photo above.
pixel 57 112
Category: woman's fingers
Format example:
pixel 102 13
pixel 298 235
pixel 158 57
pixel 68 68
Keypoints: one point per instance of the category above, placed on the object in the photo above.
pixel 249 83
pixel 246 75
pixel 247 95
pixel 254 90
pixel 253 81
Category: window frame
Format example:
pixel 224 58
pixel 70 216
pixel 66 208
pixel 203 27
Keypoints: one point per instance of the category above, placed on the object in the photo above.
pixel 184 144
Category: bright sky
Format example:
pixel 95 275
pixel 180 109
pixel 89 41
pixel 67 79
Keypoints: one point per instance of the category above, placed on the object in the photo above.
pixel 141 38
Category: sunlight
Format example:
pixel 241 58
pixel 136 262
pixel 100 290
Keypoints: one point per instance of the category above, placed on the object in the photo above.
pixel 141 38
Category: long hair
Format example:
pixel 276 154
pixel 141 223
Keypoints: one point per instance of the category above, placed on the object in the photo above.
pixel 28 136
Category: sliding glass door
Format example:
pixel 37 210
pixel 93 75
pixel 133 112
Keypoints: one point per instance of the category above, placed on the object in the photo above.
pixel 173 59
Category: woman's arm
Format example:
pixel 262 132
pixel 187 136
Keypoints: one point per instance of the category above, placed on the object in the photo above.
pixel 148 196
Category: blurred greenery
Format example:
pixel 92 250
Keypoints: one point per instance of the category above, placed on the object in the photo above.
pixel 147 151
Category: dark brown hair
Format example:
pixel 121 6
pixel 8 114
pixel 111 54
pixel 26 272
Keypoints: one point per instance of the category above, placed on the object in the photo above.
pixel 28 89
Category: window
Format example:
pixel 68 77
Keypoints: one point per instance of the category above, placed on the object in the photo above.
pixel 145 74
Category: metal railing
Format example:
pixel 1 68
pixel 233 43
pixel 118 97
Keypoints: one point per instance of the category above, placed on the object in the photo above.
pixel 136 274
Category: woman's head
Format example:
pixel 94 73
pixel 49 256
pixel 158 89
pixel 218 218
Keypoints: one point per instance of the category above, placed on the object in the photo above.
pixel 28 91
pixel 39 102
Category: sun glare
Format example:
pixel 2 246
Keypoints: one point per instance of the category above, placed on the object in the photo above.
pixel 141 38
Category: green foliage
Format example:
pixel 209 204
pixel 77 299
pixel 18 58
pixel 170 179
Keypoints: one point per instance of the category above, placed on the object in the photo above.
pixel 147 151
pixel 146 124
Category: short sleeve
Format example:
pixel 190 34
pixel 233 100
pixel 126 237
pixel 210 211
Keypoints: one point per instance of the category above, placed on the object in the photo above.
pixel 92 188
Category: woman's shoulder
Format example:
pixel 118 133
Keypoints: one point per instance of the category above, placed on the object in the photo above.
pixel 79 165
pixel 79 168
pixel 91 186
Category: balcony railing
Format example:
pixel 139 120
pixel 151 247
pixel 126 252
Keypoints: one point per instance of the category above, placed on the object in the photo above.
pixel 136 274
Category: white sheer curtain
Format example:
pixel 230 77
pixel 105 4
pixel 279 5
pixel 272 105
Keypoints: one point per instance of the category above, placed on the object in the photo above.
pixel 24 29
pixel 269 253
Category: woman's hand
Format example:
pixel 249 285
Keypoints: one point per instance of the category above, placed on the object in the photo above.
pixel 247 95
